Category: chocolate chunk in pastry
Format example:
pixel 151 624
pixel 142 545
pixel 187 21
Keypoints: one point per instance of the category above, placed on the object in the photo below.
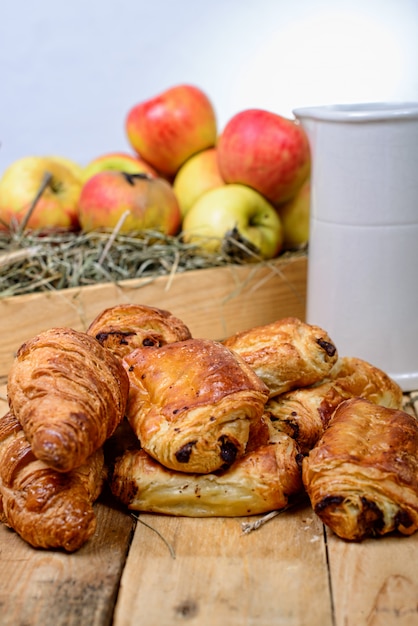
pixel 304 413
pixel 69 394
pixel 124 327
pixel 261 481
pixel 48 509
pixel 286 354
pixel 362 476
pixel 191 403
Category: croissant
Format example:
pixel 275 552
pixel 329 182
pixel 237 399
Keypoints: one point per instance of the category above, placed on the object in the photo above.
pixel 286 354
pixel 48 509
pixel 191 403
pixel 304 413
pixel 362 476
pixel 69 394
pixel 261 481
pixel 124 327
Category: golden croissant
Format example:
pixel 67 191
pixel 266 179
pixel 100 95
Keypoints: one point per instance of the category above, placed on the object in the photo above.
pixel 68 393
pixel 48 509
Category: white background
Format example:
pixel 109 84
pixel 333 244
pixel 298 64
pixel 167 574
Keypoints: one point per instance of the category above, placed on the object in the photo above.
pixel 71 71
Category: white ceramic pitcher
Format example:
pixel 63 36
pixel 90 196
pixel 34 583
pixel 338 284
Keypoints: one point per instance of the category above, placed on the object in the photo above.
pixel 363 248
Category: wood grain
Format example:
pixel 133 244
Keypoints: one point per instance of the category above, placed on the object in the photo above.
pixel 274 575
pixel 214 303
pixel 375 582
pixel 52 588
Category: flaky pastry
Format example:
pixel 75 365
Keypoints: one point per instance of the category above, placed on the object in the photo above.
pixel 304 413
pixel 68 393
pixel 261 481
pixel 191 403
pixel 124 327
pixel 286 354
pixel 48 509
pixel 362 476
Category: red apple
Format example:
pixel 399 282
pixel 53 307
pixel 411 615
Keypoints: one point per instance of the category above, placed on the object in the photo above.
pixel 169 128
pixel 56 208
pixel 265 151
pixel 150 203
pixel 295 217
pixel 118 162
pixel 234 210
pixel 196 176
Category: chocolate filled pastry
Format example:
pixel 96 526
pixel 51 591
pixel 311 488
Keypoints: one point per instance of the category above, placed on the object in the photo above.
pixel 261 481
pixel 304 413
pixel 362 476
pixel 69 394
pixel 191 403
pixel 286 354
pixel 124 327
pixel 48 509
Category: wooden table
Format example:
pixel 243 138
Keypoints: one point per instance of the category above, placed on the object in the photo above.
pixel 166 571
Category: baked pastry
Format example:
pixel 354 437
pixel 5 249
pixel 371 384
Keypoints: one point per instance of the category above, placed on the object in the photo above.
pixel 362 476
pixel 286 354
pixel 48 509
pixel 124 327
pixel 69 394
pixel 260 481
pixel 191 403
pixel 304 413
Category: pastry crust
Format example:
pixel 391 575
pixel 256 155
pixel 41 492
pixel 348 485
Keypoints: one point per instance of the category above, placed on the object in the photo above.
pixel 125 327
pixel 259 482
pixel 48 509
pixel 191 403
pixel 69 394
pixel 362 476
pixel 286 354
pixel 304 413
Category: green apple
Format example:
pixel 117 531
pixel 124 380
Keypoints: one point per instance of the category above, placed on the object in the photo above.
pixel 118 162
pixel 198 174
pixel 170 127
pixel 145 202
pixel 57 207
pixel 234 209
pixel 295 216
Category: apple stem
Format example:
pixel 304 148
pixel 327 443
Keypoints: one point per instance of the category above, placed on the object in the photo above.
pixel 44 184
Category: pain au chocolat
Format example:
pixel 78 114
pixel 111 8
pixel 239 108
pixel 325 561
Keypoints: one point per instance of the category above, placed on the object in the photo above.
pixel 125 327
pixel 262 480
pixel 191 403
pixel 68 393
pixel 362 476
pixel 305 413
pixel 286 354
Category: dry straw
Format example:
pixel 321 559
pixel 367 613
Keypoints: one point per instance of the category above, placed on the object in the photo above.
pixel 37 262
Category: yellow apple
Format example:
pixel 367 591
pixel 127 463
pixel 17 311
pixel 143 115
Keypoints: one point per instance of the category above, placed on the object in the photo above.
pixel 234 209
pixel 75 167
pixel 198 174
pixel 148 202
pixel 295 216
pixel 57 207
pixel 117 162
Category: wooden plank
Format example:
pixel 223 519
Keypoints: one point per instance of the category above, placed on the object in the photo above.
pixel 375 582
pixel 274 575
pixel 214 303
pixel 52 588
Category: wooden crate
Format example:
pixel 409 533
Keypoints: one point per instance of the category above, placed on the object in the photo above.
pixel 214 303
